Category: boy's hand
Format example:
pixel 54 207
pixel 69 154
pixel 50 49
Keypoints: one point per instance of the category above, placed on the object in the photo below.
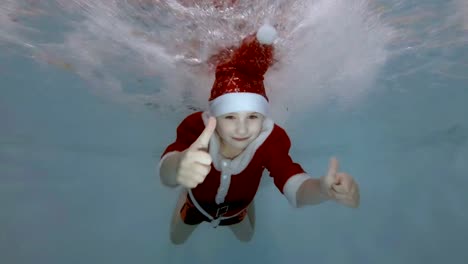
pixel 195 162
pixel 340 186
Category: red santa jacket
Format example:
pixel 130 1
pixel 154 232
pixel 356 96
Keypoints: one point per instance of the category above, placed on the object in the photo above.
pixel 235 182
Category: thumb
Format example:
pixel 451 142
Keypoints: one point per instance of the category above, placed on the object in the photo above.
pixel 204 139
pixel 332 171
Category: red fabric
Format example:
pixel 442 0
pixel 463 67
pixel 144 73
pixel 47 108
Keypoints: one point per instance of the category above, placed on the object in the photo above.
pixel 191 216
pixel 242 70
pixel 272 155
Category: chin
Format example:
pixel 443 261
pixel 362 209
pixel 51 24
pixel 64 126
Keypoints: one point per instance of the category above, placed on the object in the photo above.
pixel 241 145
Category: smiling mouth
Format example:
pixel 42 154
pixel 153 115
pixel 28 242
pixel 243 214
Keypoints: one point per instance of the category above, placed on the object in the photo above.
pixel 240 139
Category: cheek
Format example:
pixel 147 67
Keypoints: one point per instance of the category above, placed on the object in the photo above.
pixel 256 127
pixel 222 129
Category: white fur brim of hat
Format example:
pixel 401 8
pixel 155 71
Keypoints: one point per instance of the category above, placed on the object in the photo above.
pixel 239 102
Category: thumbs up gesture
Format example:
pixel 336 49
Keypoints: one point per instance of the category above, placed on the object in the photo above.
pixel 340 186
pixel 195 162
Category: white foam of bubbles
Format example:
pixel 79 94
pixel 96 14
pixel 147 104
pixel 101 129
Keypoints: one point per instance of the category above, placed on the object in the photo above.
pixel 432 36
pixel 340 47
pixel 327 49
pixel 462 7
pixel 11 30
pixel 6 21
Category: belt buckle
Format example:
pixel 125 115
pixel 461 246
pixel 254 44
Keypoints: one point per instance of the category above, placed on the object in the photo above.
pixel 222 211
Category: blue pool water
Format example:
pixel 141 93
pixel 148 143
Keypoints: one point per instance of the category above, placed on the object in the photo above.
pixel 78 179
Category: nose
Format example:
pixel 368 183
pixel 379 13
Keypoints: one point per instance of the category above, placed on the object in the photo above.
pixel 241 128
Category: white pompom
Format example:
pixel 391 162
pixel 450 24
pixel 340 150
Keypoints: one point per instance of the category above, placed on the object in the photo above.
pixel 266 34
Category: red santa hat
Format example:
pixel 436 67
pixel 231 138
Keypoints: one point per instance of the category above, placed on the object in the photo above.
pixel 239 77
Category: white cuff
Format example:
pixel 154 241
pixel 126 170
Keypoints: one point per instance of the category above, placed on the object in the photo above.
pixel 291 187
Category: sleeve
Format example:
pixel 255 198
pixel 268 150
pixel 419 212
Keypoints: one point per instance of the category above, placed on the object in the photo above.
pixel 187 132
pixel 287 174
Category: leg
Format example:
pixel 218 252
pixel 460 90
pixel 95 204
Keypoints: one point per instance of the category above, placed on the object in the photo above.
pixel 251 214
pixel 180 231
pixel 245 229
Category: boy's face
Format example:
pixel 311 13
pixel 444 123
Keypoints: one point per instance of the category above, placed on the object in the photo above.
pixel 237 130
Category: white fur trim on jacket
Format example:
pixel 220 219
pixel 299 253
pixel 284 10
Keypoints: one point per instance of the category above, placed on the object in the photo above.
pixel 292 185
pixel 237 165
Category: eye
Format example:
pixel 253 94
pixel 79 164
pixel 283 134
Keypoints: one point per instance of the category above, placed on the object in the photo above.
pixel 253 116
pixel 229 117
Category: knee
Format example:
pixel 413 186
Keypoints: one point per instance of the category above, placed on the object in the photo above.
pixel 246 238
pixel 180 232
pixel 177 240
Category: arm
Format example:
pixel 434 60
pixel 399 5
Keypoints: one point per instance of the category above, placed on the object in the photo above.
pixel 311 192
pixel 190 166
pixel 186 134
pixel 299 188
pixel 168 169
pixel 337 186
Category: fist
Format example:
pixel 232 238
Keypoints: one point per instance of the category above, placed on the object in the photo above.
pixel 340 186
pixel 195 162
